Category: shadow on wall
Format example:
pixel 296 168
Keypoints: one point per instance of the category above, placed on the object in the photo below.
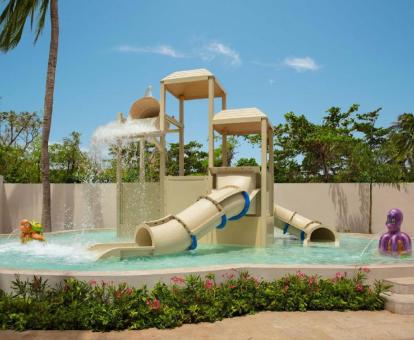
pixel 346 221
pixel 5 220
pixel 63 206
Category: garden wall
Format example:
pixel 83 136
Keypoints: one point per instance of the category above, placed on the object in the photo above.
pixel 342 205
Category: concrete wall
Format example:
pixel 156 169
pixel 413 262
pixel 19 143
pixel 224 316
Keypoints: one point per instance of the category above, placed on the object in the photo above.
pixel 343 205
pixel 346 205
pixel 73 205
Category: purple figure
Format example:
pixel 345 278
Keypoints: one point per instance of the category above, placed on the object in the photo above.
pixel 395 242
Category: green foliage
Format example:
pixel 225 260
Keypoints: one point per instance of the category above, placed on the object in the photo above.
pixel 247 162
pixel 347 146
pixel 13 19
pixel 105 306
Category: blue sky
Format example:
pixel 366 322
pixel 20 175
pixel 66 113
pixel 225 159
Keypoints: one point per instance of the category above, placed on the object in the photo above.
pixel 280 56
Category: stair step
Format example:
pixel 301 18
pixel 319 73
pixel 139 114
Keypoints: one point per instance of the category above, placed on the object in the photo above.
pixel 401 285
pixel 399 303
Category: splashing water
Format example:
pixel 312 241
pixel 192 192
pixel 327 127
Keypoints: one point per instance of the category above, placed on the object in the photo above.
pixel 112 132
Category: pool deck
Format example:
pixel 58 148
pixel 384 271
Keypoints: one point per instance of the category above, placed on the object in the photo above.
pixel 263 326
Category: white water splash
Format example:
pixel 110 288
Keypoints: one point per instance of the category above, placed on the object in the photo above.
pixel 72 252
pixel 112 132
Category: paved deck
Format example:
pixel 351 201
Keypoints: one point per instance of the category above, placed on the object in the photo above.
pixel 263 326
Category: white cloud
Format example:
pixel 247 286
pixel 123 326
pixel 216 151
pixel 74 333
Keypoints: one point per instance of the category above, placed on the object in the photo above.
pixel 159 49
pixel 216 49
pixel 301 64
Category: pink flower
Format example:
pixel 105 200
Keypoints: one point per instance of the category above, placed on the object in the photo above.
pixel 311 281
pixel 177 280
pixel 232 286
pixel 366 270
pixel 359 287
pixel 92 282
pixel 300 274
pixel 285 288
pixel 256 281
pixel 228 276
pixel 208 284
pixel 339 275
pixel 128 291
pixel 153 304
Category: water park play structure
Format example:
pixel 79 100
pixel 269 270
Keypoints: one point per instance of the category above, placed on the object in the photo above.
pixel 238 207
pixel 395 242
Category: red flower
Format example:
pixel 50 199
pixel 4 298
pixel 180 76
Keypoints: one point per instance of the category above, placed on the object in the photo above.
pixel 153 304
pixel 366 270
pixel 208 284
pixel 359 287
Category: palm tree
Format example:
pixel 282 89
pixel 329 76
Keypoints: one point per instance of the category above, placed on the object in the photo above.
pixel 402 136
pixel 12 21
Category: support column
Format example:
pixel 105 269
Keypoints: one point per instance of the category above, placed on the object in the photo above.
pixel 120 119
pixel 224 157
pixel 142 160
pixel 181 140
pixel 162 148
pixel 210 129
pixel 224 102
pixel 263 187
pixel 271 172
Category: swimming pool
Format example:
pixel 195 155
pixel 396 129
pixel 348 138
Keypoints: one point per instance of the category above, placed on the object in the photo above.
pixel 68 251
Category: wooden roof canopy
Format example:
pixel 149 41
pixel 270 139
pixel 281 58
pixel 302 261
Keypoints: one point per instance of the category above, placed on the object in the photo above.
pixel 240 121
pixel 192 84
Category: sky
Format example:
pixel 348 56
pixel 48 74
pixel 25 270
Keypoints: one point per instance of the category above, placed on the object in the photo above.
pixel 280 56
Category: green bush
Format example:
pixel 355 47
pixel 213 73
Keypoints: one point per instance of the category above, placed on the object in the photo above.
pixel 104 306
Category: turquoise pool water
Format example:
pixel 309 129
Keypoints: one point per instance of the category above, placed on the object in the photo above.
pixel 68 251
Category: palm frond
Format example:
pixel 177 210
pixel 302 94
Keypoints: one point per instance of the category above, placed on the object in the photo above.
pixel 14 17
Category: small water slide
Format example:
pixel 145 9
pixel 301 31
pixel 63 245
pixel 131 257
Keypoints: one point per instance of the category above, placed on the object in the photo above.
pixel 304 228
pixel 230 201
pixel 180 232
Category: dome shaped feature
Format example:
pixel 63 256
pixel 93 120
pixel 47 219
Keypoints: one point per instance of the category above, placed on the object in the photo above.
pixel 146 107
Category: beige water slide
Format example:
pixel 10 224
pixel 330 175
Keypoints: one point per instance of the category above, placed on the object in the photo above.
pixel 305 229
pixel 180 232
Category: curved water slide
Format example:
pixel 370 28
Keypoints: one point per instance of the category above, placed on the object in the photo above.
pixel 180 232
pixel 304 228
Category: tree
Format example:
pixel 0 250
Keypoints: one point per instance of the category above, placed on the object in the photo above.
pixel 12 21
pixel 68 163
pixel 247 162
pixel 19 147
pixel 19 129
pixel 402 136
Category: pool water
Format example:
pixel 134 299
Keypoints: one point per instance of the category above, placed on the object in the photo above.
pixel 68 251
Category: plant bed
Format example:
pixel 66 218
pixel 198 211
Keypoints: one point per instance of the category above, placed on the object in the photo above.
pixel 103 306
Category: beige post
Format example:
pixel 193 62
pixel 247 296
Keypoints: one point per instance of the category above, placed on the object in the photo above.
pixel 224 157
pixel 120 119
pixel 263 186
pixel 210 129
pixel 162 147
pixel 181 139
pixel 142 160
pixel 271 171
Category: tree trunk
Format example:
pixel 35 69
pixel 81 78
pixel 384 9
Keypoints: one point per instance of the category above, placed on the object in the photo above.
pixel 370 208
pixel 47 115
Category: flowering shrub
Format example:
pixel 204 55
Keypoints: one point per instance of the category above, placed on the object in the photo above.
pixel 104 306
